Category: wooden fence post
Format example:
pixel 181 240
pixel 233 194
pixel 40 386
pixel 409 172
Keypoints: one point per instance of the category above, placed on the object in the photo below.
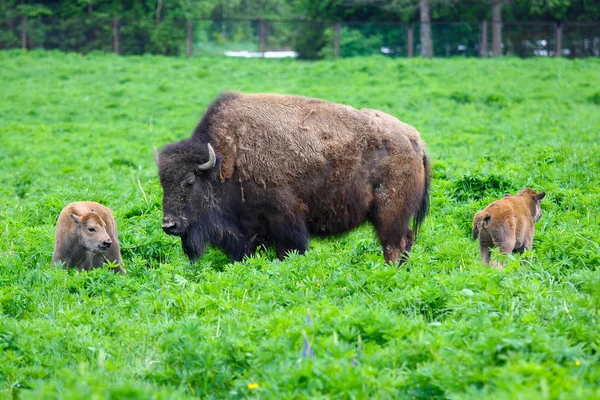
pixel 483 40
pixel 409 41
pixel 263 37
pixel 336 42
pixel 24 33
pixel 116 44
pixel 558 39
pixel 190 37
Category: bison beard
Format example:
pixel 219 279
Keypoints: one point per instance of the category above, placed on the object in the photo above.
pixel 230 239
pixel 240 227
pixel 217 231
pixel 287 166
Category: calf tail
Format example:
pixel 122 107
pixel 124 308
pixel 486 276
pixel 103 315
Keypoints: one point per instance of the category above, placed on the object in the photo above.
pixel 480 221
pixel 475 230
pixel 424 205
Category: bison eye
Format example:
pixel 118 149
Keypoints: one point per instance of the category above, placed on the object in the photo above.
pixel 92 229
pixel 188 182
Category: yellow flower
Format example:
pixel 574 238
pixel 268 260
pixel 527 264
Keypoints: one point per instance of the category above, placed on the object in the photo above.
pixel 252 385
pixel 318 284
pixel 578 363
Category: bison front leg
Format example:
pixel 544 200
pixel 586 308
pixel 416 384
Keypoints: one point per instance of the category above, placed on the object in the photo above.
pixel 236 245
pixel 288 234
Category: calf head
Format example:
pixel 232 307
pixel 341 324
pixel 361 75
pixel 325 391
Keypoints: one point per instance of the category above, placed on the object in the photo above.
pixel 188 172
pixel 533 199
pixel 91 230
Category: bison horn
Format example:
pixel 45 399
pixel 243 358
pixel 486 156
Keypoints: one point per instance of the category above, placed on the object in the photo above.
pixel 212 159
pixel 156 155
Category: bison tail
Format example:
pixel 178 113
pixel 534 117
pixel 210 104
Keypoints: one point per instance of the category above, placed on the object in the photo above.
pixel 421 213
pixel 480 221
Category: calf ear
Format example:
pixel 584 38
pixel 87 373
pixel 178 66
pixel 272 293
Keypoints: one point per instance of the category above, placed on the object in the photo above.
pixel 76 218
pixel 540 196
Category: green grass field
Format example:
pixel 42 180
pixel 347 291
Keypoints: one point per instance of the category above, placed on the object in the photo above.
pixel 78 127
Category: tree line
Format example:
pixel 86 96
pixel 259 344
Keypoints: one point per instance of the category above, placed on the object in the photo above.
pixel 422 12
pixel 322 10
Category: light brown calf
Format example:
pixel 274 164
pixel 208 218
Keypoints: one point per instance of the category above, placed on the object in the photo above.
pixel 86 237
pixel 508 223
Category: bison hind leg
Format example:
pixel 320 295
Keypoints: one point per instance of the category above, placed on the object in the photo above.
pixel 396 243
pixel 395 235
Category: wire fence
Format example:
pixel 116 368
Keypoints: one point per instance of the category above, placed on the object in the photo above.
pixel 283 38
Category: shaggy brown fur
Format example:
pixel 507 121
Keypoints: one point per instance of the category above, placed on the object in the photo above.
pixel 86 237
pixel 300 164
pixel 508 223
pixel 277 139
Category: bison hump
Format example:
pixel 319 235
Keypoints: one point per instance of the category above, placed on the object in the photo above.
pixel 277 139
pixel 277 143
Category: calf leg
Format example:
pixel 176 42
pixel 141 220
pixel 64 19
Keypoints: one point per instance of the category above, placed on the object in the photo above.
pixel 87 263
pixel 485 253
pixel 485 245
pixel 527 244
pixel 520 250
pixel 506 246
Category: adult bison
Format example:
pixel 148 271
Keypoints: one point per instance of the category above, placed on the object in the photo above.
pixel 263 168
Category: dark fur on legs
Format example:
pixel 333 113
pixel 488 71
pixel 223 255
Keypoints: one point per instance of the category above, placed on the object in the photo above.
pixel 289 236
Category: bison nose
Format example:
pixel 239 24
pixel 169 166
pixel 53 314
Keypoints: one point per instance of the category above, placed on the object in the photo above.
pixel 107 243
pixel 169 226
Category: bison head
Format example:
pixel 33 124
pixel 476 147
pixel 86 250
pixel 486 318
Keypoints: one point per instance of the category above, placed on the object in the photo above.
pixel 92 232
pixel 534 200
pixel 188 172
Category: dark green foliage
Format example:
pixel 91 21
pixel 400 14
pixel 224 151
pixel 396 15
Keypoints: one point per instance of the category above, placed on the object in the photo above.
pixel 367 39
pixel 168 38
pixel 80 34
pixel 496 100
pixel 594 98
pixel 309 41
pixel 82 127
pixel 475 187
pixel 461 97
